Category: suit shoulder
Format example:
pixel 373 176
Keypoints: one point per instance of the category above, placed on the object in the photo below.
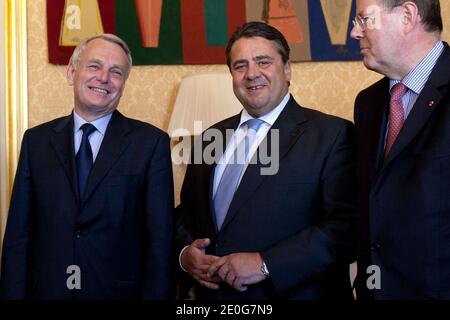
pixel 46 126
pixel 374 89
pixel 326 120
pixel 145 128
pixel 327 126
pixel 226 123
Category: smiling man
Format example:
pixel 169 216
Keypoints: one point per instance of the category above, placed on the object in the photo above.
pixel 403 152
pixel 91 208
pixel 289 235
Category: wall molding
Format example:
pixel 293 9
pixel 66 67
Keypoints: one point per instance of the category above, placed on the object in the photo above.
pixel 16 92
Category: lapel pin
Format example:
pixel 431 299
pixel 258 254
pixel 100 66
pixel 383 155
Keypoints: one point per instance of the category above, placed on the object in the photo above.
pixel 430 103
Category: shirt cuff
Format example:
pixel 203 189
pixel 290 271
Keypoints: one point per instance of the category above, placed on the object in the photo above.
pixel 179 259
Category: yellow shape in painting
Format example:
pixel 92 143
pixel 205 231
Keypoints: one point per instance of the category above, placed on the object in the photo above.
pixel 81 19
pixel 337 14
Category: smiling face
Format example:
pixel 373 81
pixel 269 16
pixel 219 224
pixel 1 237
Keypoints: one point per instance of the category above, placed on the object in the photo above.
pixel 98 79
pixel 260 77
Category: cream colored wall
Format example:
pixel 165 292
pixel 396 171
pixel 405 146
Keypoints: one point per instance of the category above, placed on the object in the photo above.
pixel 150 93
pixel 3 200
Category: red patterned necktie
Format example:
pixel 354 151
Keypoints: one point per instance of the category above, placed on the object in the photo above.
pixel 396 115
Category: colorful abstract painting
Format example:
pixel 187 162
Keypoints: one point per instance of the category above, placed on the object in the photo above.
pixel 196 31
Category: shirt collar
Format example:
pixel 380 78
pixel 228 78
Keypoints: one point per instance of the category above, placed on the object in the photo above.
pixel 100 124
pixel 270 117
pixel 416 79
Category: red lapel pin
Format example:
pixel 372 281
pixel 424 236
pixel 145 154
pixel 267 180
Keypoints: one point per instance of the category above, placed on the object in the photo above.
pixel 430 103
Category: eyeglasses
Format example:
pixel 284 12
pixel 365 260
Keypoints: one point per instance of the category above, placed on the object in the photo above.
pixel 364 23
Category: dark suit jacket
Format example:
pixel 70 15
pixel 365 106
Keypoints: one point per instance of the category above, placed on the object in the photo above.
pixel 405 202
pixel 301 219
pixel 119 234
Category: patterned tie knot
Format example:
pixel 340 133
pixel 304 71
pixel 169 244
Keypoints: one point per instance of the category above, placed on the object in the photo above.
pixel 398 91
pixel 88 129
pixel 254 124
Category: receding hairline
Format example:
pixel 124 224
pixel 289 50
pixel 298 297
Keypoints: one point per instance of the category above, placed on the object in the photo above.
pixel 111 38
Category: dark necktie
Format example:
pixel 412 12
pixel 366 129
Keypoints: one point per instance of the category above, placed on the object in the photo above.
pixel 232 173
pixel 84 157
pixel 396 115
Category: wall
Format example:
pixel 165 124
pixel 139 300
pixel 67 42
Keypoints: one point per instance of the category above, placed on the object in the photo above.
pixel 3 200
pixel 150 93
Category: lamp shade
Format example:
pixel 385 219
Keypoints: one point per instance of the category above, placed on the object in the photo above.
pixel 202 100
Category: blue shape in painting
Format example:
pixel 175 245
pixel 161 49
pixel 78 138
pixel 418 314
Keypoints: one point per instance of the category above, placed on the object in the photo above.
pixel 321 47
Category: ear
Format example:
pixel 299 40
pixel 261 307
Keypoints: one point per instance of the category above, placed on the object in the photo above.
pixel 410 16
pixel 288 70
pixel 70 73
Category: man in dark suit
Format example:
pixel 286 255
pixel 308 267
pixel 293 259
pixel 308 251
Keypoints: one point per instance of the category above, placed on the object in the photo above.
pixel 285 234
pixel 403 152
pixel 91 208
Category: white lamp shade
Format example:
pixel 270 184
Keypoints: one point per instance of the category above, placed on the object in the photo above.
pixel 202 100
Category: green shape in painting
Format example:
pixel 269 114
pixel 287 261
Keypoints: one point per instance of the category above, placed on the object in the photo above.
pixel 169 50
pixel 216 22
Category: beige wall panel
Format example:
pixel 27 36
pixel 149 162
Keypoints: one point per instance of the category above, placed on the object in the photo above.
pixel 3 171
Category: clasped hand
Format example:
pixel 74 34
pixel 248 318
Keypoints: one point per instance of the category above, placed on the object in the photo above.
pixel 237 269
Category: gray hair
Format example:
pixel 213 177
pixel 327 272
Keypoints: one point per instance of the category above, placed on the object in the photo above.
pixel 75 58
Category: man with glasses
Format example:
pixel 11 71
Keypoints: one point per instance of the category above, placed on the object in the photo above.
pixel 403 152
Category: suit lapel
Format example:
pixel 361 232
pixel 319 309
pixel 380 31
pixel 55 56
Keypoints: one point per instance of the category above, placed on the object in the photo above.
pixel 378 119
pixel 113 145
pixel 422 111
pixel 62 142
pixel 290 124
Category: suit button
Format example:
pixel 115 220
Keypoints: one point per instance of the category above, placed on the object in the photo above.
pixel 375 246
pixel 78 234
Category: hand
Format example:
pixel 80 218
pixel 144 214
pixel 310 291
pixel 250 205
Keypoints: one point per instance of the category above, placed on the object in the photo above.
pixel 238 269
pixel 197 263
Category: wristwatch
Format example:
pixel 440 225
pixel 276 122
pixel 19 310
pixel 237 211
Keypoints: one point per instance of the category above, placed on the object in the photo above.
pixel 264 270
